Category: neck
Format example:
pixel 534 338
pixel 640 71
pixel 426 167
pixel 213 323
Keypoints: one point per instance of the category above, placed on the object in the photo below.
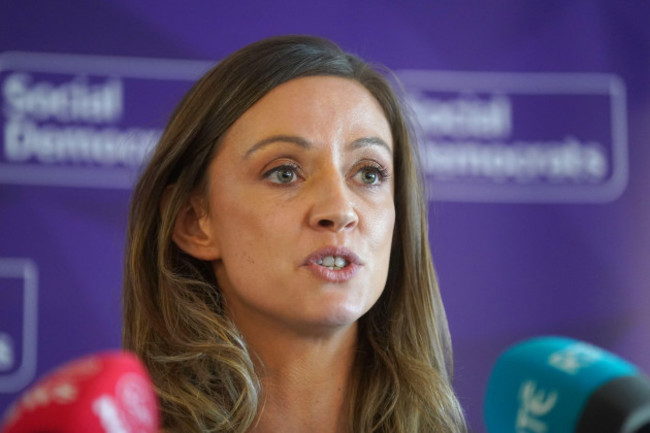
pixel 305 380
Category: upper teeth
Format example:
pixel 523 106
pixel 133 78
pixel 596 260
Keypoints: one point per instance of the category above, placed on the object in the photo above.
pixel 335 262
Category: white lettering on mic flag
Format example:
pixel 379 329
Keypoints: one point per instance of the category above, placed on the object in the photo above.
pixel 104 407
pixel 534 404
pixel 133 392
pixel 575 358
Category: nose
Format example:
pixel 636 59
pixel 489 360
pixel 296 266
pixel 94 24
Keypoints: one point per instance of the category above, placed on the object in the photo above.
pixel 332 208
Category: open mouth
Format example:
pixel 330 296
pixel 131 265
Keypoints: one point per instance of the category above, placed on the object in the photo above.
pixel 333 262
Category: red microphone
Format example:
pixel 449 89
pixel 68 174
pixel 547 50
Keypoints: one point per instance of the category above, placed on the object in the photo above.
pixel 104 393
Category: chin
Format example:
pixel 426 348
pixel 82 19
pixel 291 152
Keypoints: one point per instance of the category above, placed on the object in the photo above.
pixel 341 316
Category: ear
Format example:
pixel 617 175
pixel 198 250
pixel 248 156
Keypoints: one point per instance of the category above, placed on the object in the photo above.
pixel 193 232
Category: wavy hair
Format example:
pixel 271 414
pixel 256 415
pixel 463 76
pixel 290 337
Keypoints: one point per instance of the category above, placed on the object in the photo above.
pixel 173 313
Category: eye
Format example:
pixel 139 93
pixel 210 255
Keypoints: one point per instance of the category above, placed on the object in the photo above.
pixel 283 174
pixel 372 174
pixel 369 176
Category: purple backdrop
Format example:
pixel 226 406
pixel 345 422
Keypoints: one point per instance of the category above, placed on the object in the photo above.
pixel 534 117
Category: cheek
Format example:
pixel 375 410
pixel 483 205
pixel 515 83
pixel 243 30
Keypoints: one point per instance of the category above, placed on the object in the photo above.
pixel 382 224
pixel 253 234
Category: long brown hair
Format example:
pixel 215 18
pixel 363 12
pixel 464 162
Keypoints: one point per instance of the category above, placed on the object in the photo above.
pixel 173 315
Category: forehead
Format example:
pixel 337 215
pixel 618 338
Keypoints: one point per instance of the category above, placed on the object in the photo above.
pixel 318 108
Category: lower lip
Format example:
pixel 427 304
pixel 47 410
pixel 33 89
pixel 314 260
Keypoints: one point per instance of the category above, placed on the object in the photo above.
pixel 334 276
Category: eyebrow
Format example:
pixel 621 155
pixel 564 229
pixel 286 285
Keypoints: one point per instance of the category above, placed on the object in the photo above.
pixel 370 141
pixel 276 138
pixel 301 142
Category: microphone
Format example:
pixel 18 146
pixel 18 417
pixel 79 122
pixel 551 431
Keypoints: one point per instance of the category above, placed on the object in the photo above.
pixel 109 392
pixel 560 385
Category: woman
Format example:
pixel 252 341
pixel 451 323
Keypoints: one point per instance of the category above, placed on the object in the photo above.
pixel 278 275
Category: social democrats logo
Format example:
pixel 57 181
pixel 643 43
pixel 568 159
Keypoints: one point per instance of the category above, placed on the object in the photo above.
pixel 516 137
pixel 84 121
pixel 18 322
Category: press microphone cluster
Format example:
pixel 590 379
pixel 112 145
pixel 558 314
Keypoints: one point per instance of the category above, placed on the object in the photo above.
pixel 560 385
pixel 104 393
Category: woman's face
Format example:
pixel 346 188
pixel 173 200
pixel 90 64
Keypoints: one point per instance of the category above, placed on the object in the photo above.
pixel 300 207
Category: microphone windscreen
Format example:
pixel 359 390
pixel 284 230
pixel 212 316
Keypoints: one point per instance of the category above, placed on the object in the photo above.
pixel 103 393
pixel 560 385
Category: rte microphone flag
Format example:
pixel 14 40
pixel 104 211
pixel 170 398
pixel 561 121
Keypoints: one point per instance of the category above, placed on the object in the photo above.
pixel 103 393
pixel 560 385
